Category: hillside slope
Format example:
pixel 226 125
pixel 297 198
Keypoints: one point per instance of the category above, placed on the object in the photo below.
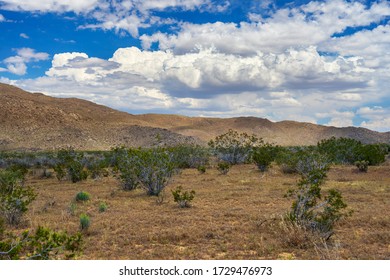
pixel 37 121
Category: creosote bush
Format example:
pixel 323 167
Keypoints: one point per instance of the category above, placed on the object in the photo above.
pixel 310 208
pixel 183 198
pixel 264 155
pixel 362 165
pixel 148 168
pixel 71 164
pixel 234 147
pixel 14 196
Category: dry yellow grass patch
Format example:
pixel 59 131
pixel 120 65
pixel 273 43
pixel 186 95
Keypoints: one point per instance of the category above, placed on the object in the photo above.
pixel 234 216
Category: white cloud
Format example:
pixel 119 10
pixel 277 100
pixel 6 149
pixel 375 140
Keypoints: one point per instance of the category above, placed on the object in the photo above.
pixel 18 64
pixel 2 18
pixel 49 5
pixel 338 118
pixel 311 24
pixel 24 36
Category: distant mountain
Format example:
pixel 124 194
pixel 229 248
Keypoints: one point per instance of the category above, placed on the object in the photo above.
pixel 36 121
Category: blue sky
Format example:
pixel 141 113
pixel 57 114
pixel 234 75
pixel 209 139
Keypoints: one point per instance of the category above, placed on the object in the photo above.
pixel 325 62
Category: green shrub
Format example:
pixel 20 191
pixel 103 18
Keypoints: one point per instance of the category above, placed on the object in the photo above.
pixel 156 168
pixel 71 164
pixel 233 147
pixel 362 165
pixel 103 207
pixel 149 168
pixel 340 150
pixel 189 156
pixel 310 209
pixel 348 151
pixel 45 244
pixel 223 167
pixel 201 169
pixel 85 222
pixel 263 156
pixel 82 196
pixel 128 165
pixel 183 198
pixel 76 171
pixel 288 158
pixel 14 196
pixel 374 154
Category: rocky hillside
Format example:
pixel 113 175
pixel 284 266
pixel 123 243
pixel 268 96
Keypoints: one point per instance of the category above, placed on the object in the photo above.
pixel 37 121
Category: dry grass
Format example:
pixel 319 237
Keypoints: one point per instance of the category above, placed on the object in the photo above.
pixel 234 216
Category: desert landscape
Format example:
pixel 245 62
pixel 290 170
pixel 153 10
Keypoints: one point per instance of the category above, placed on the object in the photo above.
pixel 104 184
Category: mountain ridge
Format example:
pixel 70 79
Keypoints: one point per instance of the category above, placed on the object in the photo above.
pixel 41 122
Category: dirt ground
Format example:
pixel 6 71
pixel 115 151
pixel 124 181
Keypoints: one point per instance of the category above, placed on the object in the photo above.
pixel 234 216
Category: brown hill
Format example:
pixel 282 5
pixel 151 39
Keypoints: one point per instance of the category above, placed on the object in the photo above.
pixel 37 121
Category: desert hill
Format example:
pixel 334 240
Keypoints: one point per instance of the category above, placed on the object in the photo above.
pixel 36 121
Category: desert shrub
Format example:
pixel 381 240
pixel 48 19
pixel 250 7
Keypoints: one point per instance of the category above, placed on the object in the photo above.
pixel 223 167
pixel 183 199
pixel 71 164
pixel 362 165
pixel 44 244
pixel 340 150
pixel 85 222
pixel 155 169
pixel 264 155
pixel 310 209
pixel 201 169
pixel 127 165
pixel 103 207
pixel 374 154
pixel 149 168
pixel 82 196
pixel 288 158
pixel 233 147
pixel 189 156
pixel 19 168
pixel 76 171
pixel 14 196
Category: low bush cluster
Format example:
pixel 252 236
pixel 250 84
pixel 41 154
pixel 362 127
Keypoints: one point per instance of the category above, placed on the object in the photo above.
pixel 234 147
pixel 15 197
pixel 148 168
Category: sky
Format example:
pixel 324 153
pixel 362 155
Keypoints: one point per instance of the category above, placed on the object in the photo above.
pixel 323 62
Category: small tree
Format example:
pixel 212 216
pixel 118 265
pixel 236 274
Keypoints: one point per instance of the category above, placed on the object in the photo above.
pixel 234 147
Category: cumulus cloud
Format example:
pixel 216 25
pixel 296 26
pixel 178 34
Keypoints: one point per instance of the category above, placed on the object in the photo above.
pixel 377 118
pixel 208 82
pixel 49 5
pixel 18 64
pixel 311 24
